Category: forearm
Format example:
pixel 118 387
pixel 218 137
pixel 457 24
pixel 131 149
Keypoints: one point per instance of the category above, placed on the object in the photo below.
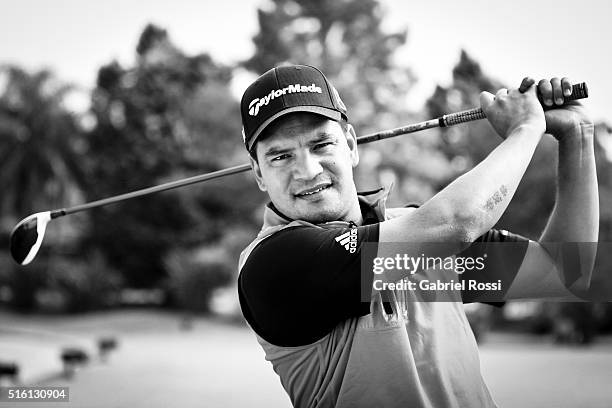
pixel 470 206
pixel 465 209
pixel 474 202
pixel 575 217
pixel 481 196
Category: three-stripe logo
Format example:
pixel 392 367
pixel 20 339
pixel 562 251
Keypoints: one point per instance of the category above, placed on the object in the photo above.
pixel 348 240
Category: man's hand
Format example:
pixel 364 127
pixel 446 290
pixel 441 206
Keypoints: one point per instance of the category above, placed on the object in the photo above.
pixel 510 110
pixel 562 121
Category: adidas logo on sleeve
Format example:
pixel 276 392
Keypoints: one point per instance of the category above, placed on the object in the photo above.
pixel 348 240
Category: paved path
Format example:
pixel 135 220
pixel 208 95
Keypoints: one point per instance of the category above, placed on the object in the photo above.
pixel 219 365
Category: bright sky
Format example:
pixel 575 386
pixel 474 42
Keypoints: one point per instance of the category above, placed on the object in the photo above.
pixel 541 38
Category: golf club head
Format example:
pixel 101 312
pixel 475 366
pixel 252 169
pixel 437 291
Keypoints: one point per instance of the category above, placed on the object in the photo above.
pixel 27 237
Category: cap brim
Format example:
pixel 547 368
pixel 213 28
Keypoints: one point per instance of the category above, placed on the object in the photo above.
pixel 328 113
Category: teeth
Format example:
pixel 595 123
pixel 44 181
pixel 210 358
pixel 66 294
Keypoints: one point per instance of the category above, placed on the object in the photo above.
pixel 315 191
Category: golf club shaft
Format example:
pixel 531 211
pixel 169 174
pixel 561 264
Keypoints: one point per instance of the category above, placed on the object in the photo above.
pixel 236 169
pixel 579 91
pixel 150 190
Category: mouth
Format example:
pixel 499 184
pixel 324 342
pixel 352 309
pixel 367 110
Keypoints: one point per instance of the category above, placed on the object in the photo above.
pixel 313 190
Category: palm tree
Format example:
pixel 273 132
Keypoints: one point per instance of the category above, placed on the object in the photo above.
pixel 40 164
pixel 40 143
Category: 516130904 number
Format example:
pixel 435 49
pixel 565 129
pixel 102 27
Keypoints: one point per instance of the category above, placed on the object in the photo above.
pixel 34 394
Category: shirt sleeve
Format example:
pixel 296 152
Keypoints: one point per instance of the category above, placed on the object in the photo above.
pixel 301 282
pixel 501 253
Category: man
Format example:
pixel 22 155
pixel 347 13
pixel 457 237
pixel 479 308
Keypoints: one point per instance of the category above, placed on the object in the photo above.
pixel 301 281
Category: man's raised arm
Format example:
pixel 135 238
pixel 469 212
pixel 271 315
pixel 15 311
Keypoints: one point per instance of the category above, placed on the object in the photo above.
pixel 470 206
pixel 552 268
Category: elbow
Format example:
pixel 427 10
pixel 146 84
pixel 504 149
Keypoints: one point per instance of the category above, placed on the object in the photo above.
pixel 465 234
pixel 575 264
pixel 465 226
pixel 586 254
pixel 470 225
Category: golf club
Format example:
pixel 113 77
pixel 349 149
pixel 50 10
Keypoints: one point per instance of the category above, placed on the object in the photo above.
pixel 27 236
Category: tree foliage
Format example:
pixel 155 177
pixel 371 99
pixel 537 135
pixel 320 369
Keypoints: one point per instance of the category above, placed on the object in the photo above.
pixel 345 39
pixel 165 118
pixel 41 143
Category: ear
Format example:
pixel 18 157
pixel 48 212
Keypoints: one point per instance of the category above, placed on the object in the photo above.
pixel 257 173
pixel 351 139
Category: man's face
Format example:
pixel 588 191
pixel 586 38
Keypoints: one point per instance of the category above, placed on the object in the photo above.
pixel 306 166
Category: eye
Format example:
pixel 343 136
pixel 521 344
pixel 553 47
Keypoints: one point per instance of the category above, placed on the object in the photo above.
pixel 280 157
pixel 323 145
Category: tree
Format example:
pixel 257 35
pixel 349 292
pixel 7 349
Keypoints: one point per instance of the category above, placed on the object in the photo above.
pixel 165 118
pixel 41 143
pixel 346 41
pixel 41 148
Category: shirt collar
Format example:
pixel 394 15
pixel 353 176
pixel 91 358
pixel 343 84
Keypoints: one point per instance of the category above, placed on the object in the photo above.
pixel 372 204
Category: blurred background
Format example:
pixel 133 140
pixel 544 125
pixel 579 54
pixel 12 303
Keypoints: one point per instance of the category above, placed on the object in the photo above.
pixel 135 304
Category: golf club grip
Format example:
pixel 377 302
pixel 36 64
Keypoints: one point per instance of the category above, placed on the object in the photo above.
pixel 579 91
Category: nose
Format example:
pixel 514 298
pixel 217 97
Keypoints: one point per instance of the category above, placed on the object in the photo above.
pixel 307 166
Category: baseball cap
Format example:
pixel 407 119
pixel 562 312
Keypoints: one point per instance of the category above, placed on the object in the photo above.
pixel 283 90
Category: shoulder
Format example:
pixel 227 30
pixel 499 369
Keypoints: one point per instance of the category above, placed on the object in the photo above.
pixel 301 281
pixel 303 241
pixel 290 247
pixel 300 251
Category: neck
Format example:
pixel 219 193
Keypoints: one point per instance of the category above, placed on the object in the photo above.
pixel 354 215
